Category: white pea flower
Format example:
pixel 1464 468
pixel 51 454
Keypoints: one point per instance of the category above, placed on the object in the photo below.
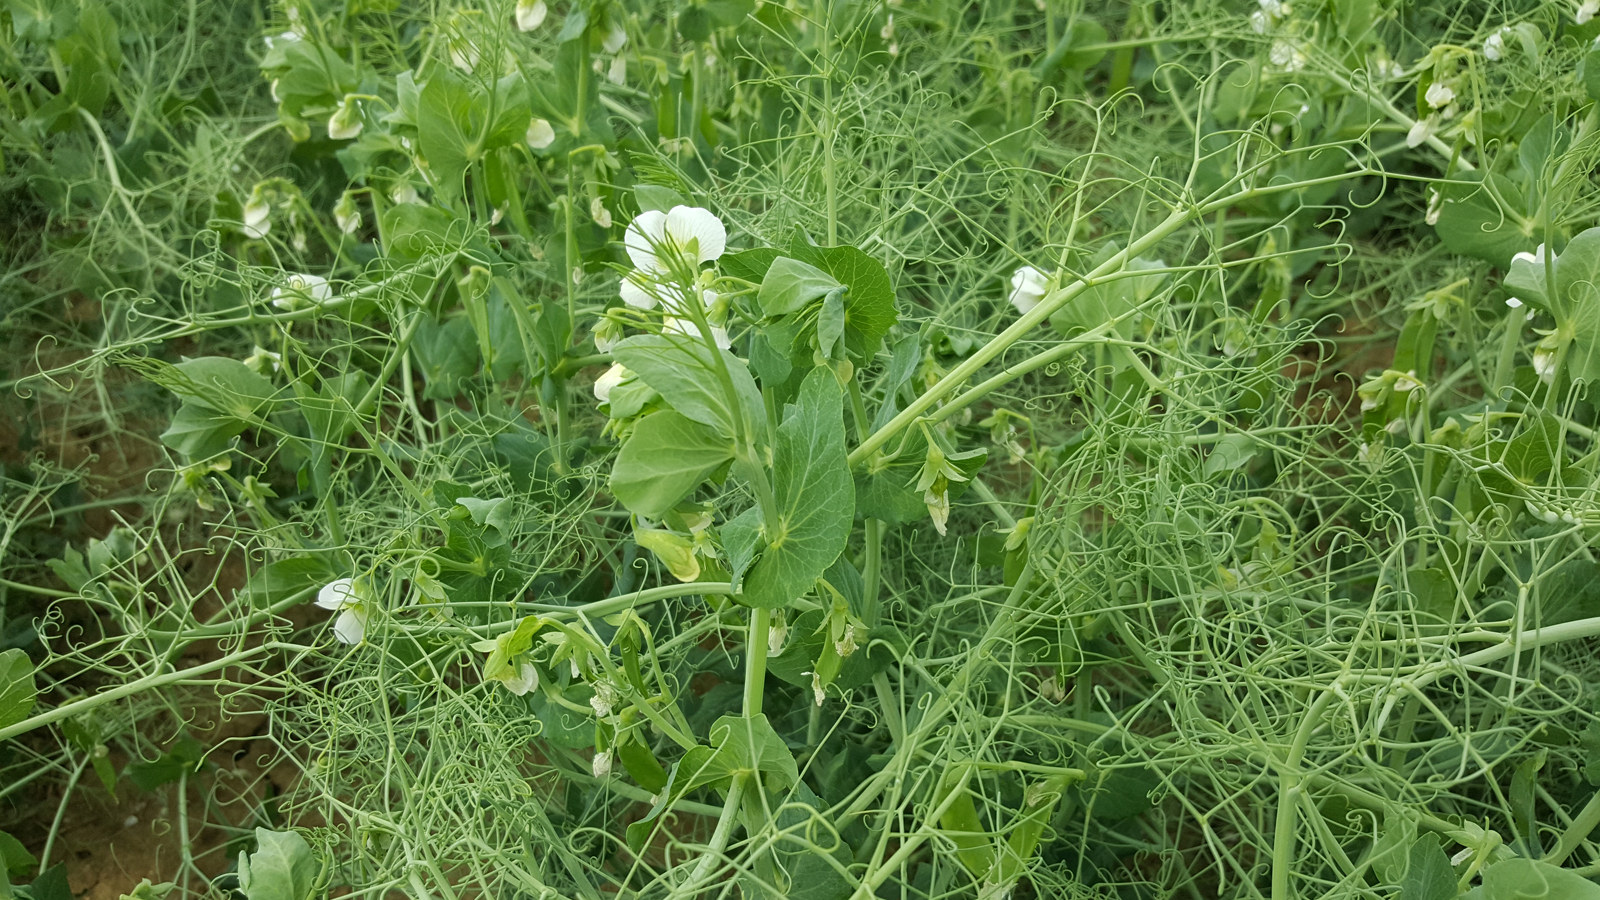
pixel 1440 95
pixel 1535 258
pixel 405 192
pixel 1286 56
pixel 608 380
pixel 937 499
pixel 1513 303
pixel 1420 132
pixel 598 212
pixel 1273 8
pixel 1028 287
pixel 617 72
pixel 524 679
pixel 777 635
pixel 464 55
pixel 615 38
pixel 634 293
pixel 530 15
pixel 257 218
pixel 346 214
pixel 1586 12
pixel 655 240
pixel 288 37
pixel 351 599
pixel 1544 363
pixel 1258 22
pixel 301 290
pixel 345 123
pixel 601 766
pixel 540 134
pixel 1494 47
pixel 678 325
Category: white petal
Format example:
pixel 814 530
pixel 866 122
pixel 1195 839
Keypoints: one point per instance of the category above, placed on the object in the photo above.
pixel 525 680
pixel 1421 131
pixel 617 72
pixel 1439 95
pixel 351 626
pixel 540 135
pixel 645 234
pixel 685 223
pixel 1513 302
pixel 634 294
pixel 1028 287
pixel 337 594
pixel 608 380
pixel 531 15
pixel 614 38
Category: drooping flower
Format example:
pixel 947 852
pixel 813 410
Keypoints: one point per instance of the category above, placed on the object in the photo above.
pixel 599 213
pixel 540 134
pixel 257 218
pixel 608 380
pixel 351 599
pixel 656 240
pixel 1439 95
pixel 405 192
pixel 1028 287
pixel 1420 131
pixel 263 361
pixel 302 290
pixel 345 123
pixel 346 214
pixel 615 38
pixel 531 14
pixel 600 766
pixel 617 72
pixel 522 680
pixel 1586 12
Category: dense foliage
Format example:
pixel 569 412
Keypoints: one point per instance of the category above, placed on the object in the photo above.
pixel 824 449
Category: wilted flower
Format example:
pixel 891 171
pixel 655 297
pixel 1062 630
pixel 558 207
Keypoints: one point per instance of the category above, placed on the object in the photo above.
pixel 689 234
pixel 1028 287
pixel 601 766
pixel 530 15
pixel 608 380
pixel 301 290
pixel 1286 56
pixel 604 699
pixel 1544 363
pixel 598 212
pixel 1420 132
pixel 345 123
pixel 351 599
pixel 1439 95
pixel 540 134
pixel 263 361
pixel 346 214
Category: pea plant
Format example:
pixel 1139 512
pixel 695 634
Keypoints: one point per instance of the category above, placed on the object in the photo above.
pixel 731 448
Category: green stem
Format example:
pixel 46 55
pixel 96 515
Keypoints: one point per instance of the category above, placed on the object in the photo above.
pixel 149 682
pixel 1290 780
pixel 1576 833
pixel 712 858
pixel 755 659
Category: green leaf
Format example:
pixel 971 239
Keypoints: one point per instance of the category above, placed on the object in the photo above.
pixel 1524 879
pixel 218 383
pixel 282 868
pixel 1231 452
pixel 656 197
pixel 868 305
pixel 1575 301
pixel 447 354
pixel 1116 296
pixel 1472 221
pixel 17 691
pixel 814 493
pixel 184 758
pixel 494 515
pixel 454 128
pixel 199 432
pixel 799 867
pixel 1428 872
pixel 17 860
pixel 284 578
pixel 791 285
pixel 664 460
pixel 684 372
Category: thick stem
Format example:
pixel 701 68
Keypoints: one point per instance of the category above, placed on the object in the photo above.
pixel 755 660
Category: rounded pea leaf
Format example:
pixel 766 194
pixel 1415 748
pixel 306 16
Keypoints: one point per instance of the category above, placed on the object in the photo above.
pixel 664 460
